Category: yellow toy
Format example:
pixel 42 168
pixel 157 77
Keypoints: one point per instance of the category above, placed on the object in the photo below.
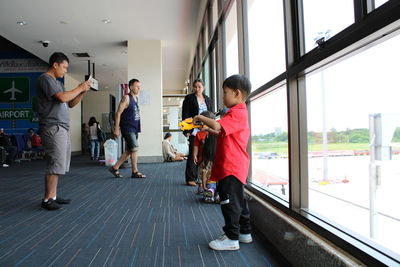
pixel 187 125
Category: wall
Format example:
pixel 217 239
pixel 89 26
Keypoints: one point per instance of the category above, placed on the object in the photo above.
pixel 144 64
pixel 75 116
pixel 95 104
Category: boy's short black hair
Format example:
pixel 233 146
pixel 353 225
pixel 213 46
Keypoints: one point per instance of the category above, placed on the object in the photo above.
pixel 57 57
pixel 238 82
pixel 131 82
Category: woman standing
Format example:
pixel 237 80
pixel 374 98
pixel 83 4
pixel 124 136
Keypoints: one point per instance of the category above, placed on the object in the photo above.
pixel 94 142
pixel 193 105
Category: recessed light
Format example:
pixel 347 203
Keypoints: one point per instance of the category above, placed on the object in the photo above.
pixel 63 22
pixel 106 21
pixel 22 23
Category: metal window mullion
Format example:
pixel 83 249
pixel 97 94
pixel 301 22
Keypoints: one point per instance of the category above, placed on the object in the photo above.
pixel 360 9
pixel 240 33
pixel 243 38
pixel 294 46
pixel 223 50
pixel 222 62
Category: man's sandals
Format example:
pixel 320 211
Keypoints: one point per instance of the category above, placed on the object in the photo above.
pixel 138 175
pixel 115 172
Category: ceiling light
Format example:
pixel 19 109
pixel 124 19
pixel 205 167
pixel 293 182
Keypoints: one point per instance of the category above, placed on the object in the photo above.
pixel 106 21
pixel 22 23
pixel 63 22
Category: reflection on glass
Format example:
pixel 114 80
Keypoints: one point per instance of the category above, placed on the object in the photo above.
pixel 207 84
pixel 214 14
pixel 354 179
pixel 205 35
pixel 270 143
pixel 232 53
pixel 322 19
pixel 266 41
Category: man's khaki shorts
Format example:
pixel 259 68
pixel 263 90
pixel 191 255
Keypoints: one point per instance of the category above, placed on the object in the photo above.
pixel 57 148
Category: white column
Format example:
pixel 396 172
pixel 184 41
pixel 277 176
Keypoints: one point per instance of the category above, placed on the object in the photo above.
pixel 75 116
pixel 144 64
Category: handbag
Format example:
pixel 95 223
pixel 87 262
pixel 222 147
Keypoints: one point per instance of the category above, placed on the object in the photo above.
pixel 101 136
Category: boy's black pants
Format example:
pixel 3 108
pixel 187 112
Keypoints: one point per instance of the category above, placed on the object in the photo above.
pixel 234 207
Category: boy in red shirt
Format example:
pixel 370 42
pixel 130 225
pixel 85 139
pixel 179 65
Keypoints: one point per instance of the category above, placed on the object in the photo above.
pixel 231 163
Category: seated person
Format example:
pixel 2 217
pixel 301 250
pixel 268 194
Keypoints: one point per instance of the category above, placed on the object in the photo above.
pixel 5 142
pixel 34 141
pixel 169 152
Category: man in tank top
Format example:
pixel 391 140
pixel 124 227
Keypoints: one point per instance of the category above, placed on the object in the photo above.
pixel 128 119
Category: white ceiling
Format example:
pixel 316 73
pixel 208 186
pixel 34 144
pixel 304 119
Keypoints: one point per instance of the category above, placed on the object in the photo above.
pixel 76 26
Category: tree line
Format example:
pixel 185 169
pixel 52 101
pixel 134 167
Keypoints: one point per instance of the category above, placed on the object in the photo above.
pixel 348 136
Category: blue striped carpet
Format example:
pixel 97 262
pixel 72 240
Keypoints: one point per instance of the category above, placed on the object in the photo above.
pixel 114 222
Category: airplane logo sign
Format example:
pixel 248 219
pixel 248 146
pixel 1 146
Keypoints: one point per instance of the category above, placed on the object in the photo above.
pixel 13 90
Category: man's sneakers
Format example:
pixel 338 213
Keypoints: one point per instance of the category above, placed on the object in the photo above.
pixel 60 200
pixel 245 238
pixel 52 204
pixel 224 243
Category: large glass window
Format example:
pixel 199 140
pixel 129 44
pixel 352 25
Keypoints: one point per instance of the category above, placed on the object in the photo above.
pixel 353 124
pixel 378 3
pixel 231 37
pixel 325 19
pixel 269 135
pixel 266 40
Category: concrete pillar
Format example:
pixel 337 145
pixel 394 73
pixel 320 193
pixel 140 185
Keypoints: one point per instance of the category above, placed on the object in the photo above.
pixel 144 64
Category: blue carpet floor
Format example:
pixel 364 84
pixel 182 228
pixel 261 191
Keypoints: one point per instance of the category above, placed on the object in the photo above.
pixel 156 221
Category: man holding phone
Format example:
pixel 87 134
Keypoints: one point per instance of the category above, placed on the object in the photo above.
pixel 53 108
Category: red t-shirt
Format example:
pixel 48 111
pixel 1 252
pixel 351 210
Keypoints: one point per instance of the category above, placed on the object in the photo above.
pixel 199 142
pixel 36 141
pixel 231 157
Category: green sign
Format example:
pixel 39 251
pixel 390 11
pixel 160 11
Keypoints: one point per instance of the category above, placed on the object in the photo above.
pixel 16 114
pixel 14 90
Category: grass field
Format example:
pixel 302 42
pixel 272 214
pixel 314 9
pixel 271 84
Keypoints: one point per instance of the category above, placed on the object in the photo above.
pixel 282 147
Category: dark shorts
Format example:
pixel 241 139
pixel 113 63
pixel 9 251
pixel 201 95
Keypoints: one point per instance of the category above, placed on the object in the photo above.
pixel 131 140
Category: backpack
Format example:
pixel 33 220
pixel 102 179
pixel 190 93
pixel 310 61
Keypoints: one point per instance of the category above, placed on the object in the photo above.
pixel 101 136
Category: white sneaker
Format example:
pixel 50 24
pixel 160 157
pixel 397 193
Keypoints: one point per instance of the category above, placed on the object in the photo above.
pixel 5 165
pixel 224 243
pixel 245 238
